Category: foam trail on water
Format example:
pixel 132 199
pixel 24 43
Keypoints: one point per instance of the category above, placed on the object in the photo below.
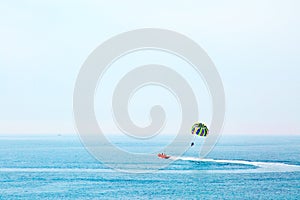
pixel 262 166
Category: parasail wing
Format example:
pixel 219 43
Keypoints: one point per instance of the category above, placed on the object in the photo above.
pixel 199 129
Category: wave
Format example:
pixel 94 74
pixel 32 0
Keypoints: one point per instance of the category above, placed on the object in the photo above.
pixel 56 170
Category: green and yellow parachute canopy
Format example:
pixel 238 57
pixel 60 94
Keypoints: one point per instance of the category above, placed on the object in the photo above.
pixel 199 129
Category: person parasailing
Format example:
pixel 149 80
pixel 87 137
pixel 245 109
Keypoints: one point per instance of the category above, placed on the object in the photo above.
pixel 199 129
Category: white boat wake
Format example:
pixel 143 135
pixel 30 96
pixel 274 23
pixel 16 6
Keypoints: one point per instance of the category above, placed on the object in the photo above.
pixel 261 166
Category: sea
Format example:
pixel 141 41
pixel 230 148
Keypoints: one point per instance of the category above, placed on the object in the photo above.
pixel 239 167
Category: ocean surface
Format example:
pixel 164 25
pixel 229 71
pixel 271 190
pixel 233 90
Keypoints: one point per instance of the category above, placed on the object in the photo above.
pixel 239 167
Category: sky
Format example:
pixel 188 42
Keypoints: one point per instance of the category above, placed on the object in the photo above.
pixel 254 45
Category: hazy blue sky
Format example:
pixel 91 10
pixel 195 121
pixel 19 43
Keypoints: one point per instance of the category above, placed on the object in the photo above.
pixel 254 45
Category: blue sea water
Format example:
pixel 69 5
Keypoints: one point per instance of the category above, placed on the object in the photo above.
pixel 239 167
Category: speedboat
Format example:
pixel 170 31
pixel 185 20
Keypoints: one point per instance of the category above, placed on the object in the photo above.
pixel 163 156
